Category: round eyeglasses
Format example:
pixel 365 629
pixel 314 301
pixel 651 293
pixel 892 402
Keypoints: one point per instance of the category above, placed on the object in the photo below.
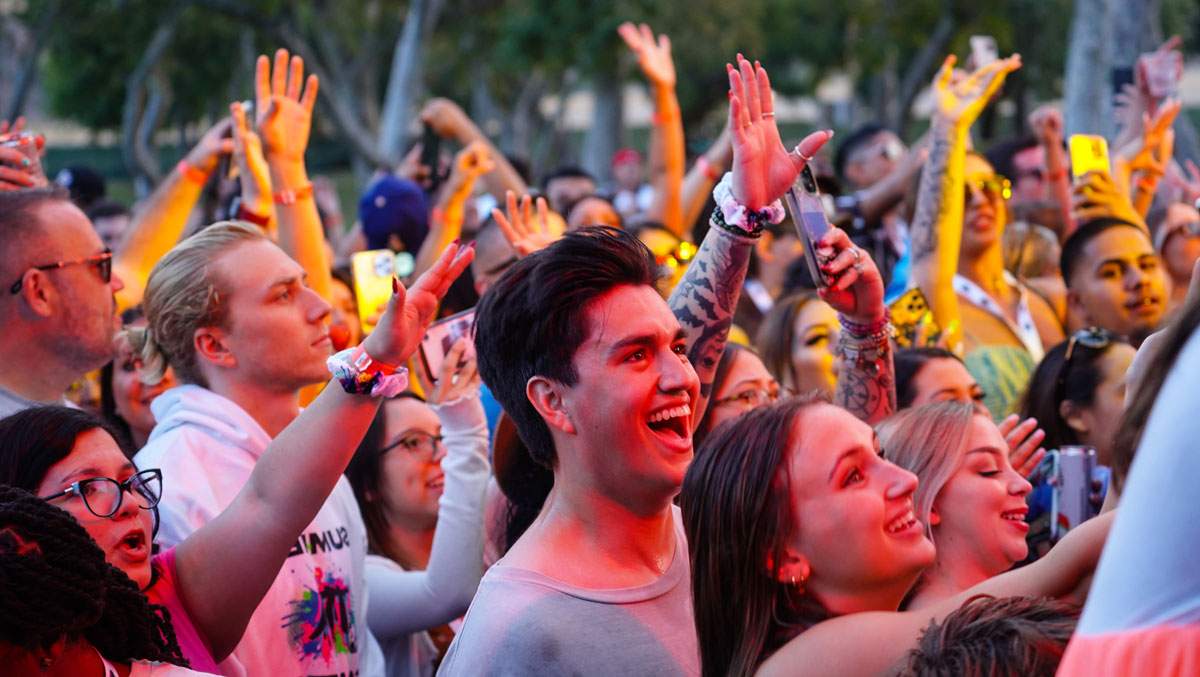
pixel 416 442
pixel 102 496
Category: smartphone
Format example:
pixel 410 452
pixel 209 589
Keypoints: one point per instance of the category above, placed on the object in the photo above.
pixel 807 208
pixel 226 166
pixel 431 149
pixel 373 271
pixel 1161 71
pixel 440 338
pixel 983 50
pixel 1089 153
pixel 1073 471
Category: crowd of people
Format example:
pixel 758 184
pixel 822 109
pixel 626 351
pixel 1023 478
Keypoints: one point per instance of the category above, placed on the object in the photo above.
pixel 647 438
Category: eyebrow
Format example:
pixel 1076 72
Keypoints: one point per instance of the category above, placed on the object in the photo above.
pixel 90 472
pixel 643 340
pixel 995 451
pixel 844 455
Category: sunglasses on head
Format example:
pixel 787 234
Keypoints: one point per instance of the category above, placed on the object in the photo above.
pixel 102 261
pixel 1093 338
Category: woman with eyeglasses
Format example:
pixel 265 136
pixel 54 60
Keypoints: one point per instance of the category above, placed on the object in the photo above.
pixel 420 475
pixel 72 459
pixel 740 384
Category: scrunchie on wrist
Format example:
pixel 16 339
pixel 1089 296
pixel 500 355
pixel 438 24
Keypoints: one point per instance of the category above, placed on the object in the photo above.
pixel 735 214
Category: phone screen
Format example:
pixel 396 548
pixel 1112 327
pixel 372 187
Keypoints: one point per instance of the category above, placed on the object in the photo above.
pixel 808 214
pixel 373 271
pixel 440 337
pixel 431 145
pixel 983 50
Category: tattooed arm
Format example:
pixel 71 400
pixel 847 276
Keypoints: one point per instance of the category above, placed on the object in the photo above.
pixel 705 299
pixel 938 221
pixel 867 389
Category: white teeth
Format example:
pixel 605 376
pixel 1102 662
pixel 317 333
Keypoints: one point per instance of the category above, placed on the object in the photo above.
pixel 1013 516
pixel 902 522
pixel 674 412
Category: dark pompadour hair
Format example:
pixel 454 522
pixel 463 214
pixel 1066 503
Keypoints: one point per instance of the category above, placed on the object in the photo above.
pixel 855 139
pixel 996 636
pixel 1000 156
pixel 534 318
pixel 1072 249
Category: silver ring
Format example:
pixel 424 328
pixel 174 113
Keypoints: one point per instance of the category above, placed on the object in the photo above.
pixel 807 158
pixel 769 114
pixel 858 267
pixel 857 255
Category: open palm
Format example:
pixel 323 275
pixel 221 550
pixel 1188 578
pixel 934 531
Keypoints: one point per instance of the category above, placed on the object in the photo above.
pixel 284 113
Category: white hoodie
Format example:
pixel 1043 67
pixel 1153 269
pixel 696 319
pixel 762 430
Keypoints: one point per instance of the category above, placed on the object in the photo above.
pixel 312 620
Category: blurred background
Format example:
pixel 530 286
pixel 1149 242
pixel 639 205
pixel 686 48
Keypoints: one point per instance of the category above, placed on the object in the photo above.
pixel 127 86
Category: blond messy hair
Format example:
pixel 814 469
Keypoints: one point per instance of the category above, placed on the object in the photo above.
pixel 182 295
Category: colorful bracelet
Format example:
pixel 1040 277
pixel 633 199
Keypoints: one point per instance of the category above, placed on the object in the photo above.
pixel 867 353
pixel 859 330
pixel 734 213
pixel 360 374
pixel 290 196
pixel 193 174
pixel 706 168
pixel 244 214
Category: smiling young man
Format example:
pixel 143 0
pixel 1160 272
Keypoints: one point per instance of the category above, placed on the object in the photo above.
pixel 1115 280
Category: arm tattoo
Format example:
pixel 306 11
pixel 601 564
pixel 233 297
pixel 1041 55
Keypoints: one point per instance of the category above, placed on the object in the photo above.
pixel 931 196
pixel 869 394
pixel 705 300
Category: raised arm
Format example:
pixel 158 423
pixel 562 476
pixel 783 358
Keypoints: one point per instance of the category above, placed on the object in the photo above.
pixel 284 121
pixel 763 170
pixel 445 226
pixel 937 223
pixel 448 120
pixel 403 602
pixel 866 382
pixel 700 179
pixel 295 476
pixel 162 217
pixel 1047 125
pixel 667 153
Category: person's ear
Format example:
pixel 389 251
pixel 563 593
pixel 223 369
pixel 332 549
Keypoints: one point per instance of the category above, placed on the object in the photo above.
pixel 211 346
pixel 793 569
pixel 547 398
pixel 38 293
pixel 1075 306
pixel 1075 416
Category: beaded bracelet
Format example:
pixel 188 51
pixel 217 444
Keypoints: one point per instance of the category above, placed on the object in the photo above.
pixel 866 352
pixel 859 330
pixel 718 220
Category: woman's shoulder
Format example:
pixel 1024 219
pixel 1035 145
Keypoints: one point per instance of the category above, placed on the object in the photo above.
pixel 840 645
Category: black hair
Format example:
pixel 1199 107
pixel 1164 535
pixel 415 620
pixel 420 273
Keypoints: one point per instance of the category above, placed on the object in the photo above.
pixel 1072 249
pixel 363 474
pixel 533 320
pixel 1050 386
pixel 57 584
pixel 1000 155
pixel 907 363
pixel 34 439
pixel 108 399
pixel 728 357
pixel 852 143
pixel 566 172
pixel 995 636
pixel 19 223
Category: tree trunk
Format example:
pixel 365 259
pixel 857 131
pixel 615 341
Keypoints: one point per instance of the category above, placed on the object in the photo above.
pixel 602 137
pixel 404 81
pixel 921 69
pixel 143 171
pixel 1088 105
pixel 28 71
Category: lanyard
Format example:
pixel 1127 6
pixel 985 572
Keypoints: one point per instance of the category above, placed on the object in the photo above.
pixel 1025 330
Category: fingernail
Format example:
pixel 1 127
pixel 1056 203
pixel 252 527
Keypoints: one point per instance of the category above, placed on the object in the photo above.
pixel 395 285
pixel 456 241
pixel 830 133
pixel 471 245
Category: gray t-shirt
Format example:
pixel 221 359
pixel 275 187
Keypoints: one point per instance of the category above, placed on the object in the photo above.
pixel 11 403
pixel 524 623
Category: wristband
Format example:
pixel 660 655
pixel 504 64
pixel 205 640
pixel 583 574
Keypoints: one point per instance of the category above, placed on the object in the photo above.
pixel 290 196
pixel 867 353
pixel 735 214
pixel 859 330
pixel 707 169
pixel 244 214
pixel 360 374
pixel 193 174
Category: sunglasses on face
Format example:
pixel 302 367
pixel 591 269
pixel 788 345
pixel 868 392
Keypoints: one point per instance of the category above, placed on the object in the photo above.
pixel 678 257
pixel 992 186
pixel 102 496
pixel 102 261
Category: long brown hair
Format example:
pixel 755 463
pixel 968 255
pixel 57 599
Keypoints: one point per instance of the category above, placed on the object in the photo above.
pixel 737 512
pixel 777 333
pixel 1138 411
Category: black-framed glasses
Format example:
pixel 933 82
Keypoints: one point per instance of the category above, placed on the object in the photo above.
pixel 751 398
pixel 416 442
pixel 1093 338
pixel 102 261
pixel 993 186
pixel 102 496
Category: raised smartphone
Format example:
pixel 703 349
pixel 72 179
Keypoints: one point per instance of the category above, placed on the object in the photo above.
pixel 1089 153
pixel 983 50
pixel 440 338
pixel 431 148
pixel 804 203
pixel 373 271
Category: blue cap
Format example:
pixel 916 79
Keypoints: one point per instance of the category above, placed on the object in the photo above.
pixel 397 206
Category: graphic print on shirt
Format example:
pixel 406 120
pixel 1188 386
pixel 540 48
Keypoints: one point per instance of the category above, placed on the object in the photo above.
pixel 321 622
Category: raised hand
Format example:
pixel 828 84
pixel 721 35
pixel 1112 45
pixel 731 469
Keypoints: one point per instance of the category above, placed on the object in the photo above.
pixel 855 286
pixel 525 232
pixel 253 174
pixel 960 101
pixel 1095 194
pixel 212 145
pixel 284 113
pixel 763 169
pixel 1047 125
pixel 459 375
pixel 1023 438
pixel 409 311
pixel 16 127
pixel 445 117
pixel 654 57
pixel 1189 185
pixel 471 163
pixel 20 165
pixel 1157 141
